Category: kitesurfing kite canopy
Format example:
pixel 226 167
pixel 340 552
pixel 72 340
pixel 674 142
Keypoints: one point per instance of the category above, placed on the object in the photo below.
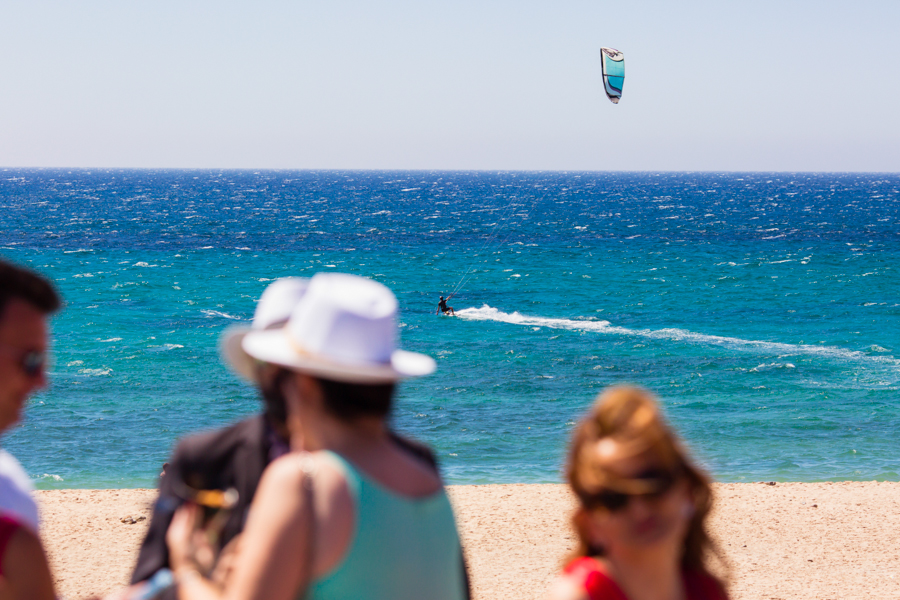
pixel 613 73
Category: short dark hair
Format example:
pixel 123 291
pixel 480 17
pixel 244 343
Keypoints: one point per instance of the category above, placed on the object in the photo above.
pixel 22 283
pixel 351 401
pixel 276 405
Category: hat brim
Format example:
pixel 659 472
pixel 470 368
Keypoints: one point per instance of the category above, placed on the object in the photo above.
pixel 232 351
pixel 274 347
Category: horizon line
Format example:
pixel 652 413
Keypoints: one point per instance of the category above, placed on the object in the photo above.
pixel 446 170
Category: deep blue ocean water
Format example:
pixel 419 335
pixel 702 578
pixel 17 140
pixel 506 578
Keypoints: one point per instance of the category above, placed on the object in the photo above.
pixel 762 308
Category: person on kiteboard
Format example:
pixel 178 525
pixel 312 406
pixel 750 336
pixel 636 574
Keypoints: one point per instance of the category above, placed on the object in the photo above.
pixel 446 309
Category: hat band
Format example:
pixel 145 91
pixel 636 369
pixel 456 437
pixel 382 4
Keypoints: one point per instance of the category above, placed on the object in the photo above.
pixel 303 352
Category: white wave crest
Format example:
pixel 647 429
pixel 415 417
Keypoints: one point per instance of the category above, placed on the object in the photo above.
pixel 488 313
pixel 95 372
pixel 770 366
pixel 216 313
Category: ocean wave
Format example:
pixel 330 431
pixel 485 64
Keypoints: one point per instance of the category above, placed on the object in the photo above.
pixel 216 313
pixel 770 366
pixel 488 313
pixel 95 372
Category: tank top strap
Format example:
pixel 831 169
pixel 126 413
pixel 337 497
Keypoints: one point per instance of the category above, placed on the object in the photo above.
pixel 351 475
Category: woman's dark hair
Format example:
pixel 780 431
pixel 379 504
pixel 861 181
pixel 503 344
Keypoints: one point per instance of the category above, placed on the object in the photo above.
pixel 18 282
pixel 276 405
pixel 350 401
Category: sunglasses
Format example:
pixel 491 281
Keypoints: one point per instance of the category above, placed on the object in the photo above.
pixel 32 362
pixel 656 483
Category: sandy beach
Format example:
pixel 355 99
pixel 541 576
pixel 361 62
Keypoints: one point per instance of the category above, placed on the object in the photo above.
pixel 789 540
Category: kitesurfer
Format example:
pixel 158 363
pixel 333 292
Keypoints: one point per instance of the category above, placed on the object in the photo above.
pixel 446 309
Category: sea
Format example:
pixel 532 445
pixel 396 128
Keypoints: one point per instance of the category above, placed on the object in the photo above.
pixel 761 308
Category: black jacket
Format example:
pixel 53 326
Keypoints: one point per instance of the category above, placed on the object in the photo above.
pixel 234 457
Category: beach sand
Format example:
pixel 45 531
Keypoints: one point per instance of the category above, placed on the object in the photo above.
pixel 789 540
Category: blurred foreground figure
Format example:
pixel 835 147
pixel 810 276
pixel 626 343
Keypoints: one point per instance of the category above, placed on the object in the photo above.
pixel 26 300
pixel 232 458
pixel 350 513
pixel 642 508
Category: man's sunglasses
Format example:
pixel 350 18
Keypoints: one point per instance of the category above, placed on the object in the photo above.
pixel 32 362
pixel 653 483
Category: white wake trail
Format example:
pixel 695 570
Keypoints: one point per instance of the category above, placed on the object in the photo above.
pixel 488 313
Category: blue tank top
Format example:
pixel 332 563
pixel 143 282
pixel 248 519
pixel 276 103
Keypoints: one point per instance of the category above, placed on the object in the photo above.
pixel 402 548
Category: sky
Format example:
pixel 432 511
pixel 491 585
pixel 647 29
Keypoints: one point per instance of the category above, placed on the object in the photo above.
pixel 489 85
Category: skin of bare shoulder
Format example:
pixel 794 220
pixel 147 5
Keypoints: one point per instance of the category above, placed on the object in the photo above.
pixel 277 525
pixel 26 568
pixel 278 519
pixel 335 514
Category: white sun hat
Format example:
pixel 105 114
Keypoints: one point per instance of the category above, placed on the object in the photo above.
pixel 344 328
pixel 272 311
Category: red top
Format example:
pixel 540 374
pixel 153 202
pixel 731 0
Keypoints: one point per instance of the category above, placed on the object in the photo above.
pixel 600 586
pixel 8 527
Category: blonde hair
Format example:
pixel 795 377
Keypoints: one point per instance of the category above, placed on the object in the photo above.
pixel 632 418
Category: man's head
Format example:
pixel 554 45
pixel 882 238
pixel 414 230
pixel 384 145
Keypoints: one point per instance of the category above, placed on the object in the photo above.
pixel 272 312
pixel 26 299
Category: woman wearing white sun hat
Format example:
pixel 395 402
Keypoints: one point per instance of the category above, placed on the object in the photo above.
pixel 356 516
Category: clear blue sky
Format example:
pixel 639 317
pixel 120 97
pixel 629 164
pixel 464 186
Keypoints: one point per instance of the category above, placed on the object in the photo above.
pixel 764 85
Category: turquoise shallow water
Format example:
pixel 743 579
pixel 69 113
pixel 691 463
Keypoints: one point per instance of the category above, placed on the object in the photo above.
pixel 762 308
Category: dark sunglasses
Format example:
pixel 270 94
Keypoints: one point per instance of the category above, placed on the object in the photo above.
pixel 656 482
pixel 32 362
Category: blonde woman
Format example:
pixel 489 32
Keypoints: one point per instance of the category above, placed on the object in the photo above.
pixel 642 508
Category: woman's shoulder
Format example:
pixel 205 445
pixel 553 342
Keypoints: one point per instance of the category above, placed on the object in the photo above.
pixel 292 468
